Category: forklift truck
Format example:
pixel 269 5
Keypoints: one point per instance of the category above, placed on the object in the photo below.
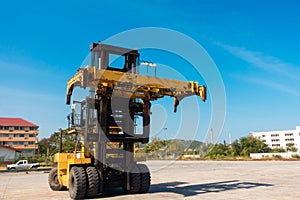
pixel 105 121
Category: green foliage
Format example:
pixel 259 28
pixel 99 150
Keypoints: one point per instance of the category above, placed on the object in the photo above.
pixel 296 156
pixel 291 147
pixel 155 145
pixel 175 147
pixel 49 146
pixel 241 147
pixel 252 145
pixel 159 149
pixel 219 151
pixel 277 156
pixel 278 150
pixel 156 148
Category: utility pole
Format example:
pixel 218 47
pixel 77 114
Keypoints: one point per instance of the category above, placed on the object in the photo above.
pixel 60 140
pixel 165 131
pixel 212 136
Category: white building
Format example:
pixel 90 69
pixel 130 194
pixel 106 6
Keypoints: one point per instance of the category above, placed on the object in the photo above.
pixel 277 139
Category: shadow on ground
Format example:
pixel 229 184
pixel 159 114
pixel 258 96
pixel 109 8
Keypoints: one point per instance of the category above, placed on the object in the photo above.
pixel 186 190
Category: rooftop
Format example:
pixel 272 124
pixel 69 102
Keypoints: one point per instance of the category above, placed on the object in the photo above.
pixel 5 121
pixel 273 131
pixel 8 147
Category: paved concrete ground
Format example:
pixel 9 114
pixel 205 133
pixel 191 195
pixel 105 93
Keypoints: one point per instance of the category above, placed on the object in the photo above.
pixel 183 180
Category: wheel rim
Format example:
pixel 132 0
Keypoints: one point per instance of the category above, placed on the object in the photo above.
pixel 55 179
pixel 72 182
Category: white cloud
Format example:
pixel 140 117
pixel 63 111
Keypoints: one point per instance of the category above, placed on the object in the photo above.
pixel 287 75
pixel 264 62
pixel 271 84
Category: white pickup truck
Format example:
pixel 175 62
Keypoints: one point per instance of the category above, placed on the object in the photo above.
pixel 23 164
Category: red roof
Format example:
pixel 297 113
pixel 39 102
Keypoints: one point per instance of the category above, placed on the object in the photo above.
pixel 4 121
pixel 7 147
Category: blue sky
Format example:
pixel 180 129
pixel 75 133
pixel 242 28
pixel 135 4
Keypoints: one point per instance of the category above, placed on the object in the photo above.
pixel 255 45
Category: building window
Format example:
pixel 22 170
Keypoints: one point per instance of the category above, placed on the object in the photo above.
pixel 27 151
pixel 275 140
pixel 16 135
pixel 31 143
pixel 289 134
pixel 289 139
pixel 275 145
pixel 263 136
pixel 17 143
pixel 6 128
pixel 16 128
pixel 5 135
pixel 274 135
pixel 21 135
pixel 31 135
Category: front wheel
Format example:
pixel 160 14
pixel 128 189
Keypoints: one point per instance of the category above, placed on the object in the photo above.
pixel 93 180
pixel 77 183
pixel 53 180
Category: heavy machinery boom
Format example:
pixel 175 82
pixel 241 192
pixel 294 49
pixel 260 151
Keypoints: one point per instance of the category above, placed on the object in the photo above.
pixel 137 86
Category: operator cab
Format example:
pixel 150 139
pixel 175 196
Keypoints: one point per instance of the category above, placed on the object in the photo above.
pixel 104 56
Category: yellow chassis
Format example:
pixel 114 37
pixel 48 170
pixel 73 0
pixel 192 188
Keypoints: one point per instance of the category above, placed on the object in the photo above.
pixel 64 163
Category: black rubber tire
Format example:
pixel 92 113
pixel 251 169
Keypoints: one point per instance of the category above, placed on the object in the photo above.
pixel 145 178
pixel 92 182
pixel 135 180
pixel 53 180
pixel 77 183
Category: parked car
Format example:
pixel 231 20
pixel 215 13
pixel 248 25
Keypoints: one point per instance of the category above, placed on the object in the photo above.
pixel 23 164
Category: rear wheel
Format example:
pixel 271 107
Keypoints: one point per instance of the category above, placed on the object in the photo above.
pixel 92 181
pixel 145 178
pixel 77 183
pixel 53 180
pixel 134 180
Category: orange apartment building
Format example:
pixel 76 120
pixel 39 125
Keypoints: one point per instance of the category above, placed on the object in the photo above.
pixel 19 134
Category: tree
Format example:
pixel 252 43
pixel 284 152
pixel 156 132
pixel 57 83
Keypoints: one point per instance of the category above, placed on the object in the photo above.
pixel 241 147
pixel 175 147
pixel 278 150
pixel 246 145
pixel 291 147
pixel 50 146
pixel 219 151
pixel 156 148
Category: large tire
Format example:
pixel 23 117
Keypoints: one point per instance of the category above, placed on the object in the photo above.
pixel 134 180
pixel 53 180
pixel 145 178
pixel 77 183
pixel 92 182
